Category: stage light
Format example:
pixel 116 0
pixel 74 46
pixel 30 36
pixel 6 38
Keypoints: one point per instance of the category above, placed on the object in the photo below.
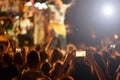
pixel 108 10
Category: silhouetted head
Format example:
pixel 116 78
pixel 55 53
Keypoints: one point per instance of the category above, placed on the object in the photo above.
pixel 33 59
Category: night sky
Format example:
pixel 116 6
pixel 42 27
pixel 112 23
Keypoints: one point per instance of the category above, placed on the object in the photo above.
pixel 86 18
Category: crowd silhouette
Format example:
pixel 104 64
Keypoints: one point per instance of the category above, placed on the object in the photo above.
pixel 35 63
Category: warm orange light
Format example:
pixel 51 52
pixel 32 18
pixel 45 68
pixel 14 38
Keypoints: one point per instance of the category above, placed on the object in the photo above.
pixel 116 36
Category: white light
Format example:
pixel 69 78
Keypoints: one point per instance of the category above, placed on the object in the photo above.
pixel 28 4
pixel 108 10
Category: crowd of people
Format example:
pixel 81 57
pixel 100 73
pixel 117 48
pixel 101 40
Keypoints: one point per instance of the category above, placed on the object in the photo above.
pixel 35 63
pixel 37 49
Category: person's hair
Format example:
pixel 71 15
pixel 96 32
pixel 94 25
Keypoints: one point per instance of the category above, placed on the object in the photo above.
pixel 66 1
pixel 56 66
pixel 18 59
pixel 45 67
pixel 98 58
pixel 33 59
pixel 43 56
pixel 106 56
pixel 37 47
pixel 7 58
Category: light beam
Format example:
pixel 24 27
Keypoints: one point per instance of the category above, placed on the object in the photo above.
pixel 108 10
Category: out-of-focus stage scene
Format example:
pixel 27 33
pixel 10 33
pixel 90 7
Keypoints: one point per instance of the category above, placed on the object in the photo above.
pixel 59 40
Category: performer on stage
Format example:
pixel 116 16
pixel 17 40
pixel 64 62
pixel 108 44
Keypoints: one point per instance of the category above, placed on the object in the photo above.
pixel 24 25
pixel 39 33
pixel 56 27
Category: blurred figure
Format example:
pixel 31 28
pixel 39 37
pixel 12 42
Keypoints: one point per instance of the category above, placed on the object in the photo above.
pixel 33 72
pixel 39 33
pixel 56 26
pixel 100 61
pixel 55 55
pixel 113 64
pixel 23 28
pixel 117 75
pixel 8 70
pixel 54 71
pixel 80 70
pixel 46 67
pixel 70 48
pixel 18 61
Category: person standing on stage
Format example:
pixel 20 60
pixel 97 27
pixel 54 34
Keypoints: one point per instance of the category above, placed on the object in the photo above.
pixel 39 33
pixel 56 26
pixel 22 33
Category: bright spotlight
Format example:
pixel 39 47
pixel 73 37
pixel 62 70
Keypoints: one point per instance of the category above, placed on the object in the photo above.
pixel 108 10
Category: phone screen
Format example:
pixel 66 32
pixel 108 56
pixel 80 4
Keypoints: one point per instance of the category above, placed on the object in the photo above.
pixel 18 49
pixel 80 53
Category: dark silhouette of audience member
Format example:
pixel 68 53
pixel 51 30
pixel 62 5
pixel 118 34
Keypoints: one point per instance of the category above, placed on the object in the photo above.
pixel 38 48
pixel 33 72
pixel 100 61
pixel 117 74
pixel 112 66
pixel 80 70
pixel 55 55
pixel 43 56
pixel 8 70
pixel 54 71
pixel 106 57
pixel 46 67
pixel 18 61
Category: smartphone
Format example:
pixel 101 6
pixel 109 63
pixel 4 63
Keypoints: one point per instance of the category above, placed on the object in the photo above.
pixel 18 50
pixel 80 53
pixel 112 46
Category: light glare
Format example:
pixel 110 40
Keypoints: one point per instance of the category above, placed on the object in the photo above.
pixel 108 10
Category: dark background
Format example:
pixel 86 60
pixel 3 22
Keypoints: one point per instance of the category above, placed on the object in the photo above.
pixel 86 18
